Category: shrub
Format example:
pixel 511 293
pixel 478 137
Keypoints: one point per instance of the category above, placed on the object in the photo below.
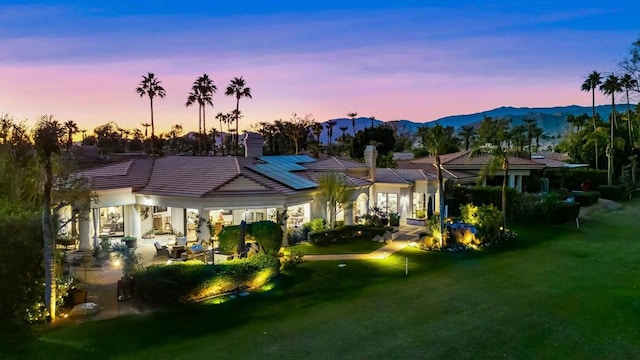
pixel 193 281
pixel 574 178
pixel 532 207
pixel 291 257
pixel 433 225
pixel 299 234
pixel 586 198
pixel 228 238
pixel 267 234
pixel 394 219
pixel 345 232
pixel 611 192
pixel 486 218
pixel 318 224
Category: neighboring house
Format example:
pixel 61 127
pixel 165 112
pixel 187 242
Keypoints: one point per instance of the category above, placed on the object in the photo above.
pixel 182 194
pixel 463 168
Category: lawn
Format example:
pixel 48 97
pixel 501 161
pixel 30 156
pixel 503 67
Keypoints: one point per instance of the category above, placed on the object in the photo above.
pixel 355 246
pixel 555 293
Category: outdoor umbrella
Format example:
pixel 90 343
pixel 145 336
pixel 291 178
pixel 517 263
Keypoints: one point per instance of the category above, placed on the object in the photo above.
pixel 243 231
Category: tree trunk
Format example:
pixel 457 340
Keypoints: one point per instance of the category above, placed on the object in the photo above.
pixel 47 237
pixel 505 185
pixel 237 121
pixel 593 114
pixel 611 135
pixel 441 198
pixel 204 128
pixel 153 129
pixel 199 129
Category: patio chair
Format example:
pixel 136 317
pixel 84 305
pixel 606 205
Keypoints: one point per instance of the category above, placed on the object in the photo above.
pixel 181 241
pixel 161 250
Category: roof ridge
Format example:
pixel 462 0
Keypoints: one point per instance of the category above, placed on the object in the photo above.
pixel 396 174
pixel 339 162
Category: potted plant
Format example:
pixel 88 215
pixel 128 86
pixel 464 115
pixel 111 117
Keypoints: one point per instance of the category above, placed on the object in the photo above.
pixel 130 241
pixel 149 234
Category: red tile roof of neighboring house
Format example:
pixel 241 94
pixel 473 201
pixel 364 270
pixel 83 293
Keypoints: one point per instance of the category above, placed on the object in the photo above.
pixel 462 160
pixel 334 163
pixel 133 173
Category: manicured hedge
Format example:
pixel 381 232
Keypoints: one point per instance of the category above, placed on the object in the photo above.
pixel 562 212
pixel 611 192
pixel 266 233
pixel 162 285
pixel 586 198
pixel 345 232
pixel 572 179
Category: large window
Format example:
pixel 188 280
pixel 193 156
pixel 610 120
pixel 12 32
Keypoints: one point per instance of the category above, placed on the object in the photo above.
pixel 112 221
pixel 388 202
pixel 419 205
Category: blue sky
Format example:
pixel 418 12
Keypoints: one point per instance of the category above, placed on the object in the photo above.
pixel 393 60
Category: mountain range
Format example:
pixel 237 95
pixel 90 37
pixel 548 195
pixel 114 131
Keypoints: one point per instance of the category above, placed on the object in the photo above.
pixel 552 119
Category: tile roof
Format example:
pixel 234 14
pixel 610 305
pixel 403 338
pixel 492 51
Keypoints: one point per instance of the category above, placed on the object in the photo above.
pixel 133 173
pixel 336 164
pixel 463 160
pixel 351 180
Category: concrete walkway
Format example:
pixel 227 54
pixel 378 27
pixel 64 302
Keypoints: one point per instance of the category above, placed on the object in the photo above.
pixel 400 239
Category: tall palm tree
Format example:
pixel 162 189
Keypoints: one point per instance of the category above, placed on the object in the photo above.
pixel 344 136
pixel 499 161
pixel 223 119
pixel 468 133
pixel 150 86
pixel 46 136
pixel 71 127
pixel 316 129
pixel 238 88
pixel 611 86
pixel 530 124
pixel 629 83
pixel 202 92
pixel 372 118
pixel 437 140
pixel 330 124
pixel 353 115
pixel 590 84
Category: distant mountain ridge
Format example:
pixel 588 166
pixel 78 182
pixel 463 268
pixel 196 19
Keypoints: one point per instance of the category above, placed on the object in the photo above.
pixel 552 119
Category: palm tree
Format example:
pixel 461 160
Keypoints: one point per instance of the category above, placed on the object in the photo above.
pixel 333 190
pixel 353 115
pixel 150 86
pixel 629 83
pixel 611 86
pixel 46 136
pixel 344 130
pixel 202 92
pixel 468 133
pixel 437 140
pixel 590 84
pixel 530 125
pixel 146 126
pixel 238 88
pixel 223 119
pixel 71 128
pixel 499 161
pixel 372 118
pixel 316 129
pixel 330 124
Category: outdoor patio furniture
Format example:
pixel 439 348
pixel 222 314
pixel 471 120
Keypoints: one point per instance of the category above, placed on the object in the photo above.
pixel 196 251
pixel 177 251
pixel 161 250
pixel 181 241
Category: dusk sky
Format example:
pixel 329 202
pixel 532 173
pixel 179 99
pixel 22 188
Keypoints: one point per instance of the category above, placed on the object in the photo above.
pixel 81 60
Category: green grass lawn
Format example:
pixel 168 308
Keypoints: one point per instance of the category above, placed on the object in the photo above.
pixel 355 246
pixel 555 293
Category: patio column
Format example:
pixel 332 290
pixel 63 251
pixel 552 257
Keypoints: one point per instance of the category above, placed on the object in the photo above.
pixel 348 214
pixel 177 220
pixel 519 183
pixel 96 226
pixel 134 222
pixel 84 224
pixel 282 220
pixel 512 181
pixel 203 221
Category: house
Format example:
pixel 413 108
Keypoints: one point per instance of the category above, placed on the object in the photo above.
pixel 461 167
pixel 191 194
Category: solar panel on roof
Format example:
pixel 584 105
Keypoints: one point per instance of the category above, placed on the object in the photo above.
pixel 279 159
pixel 278 173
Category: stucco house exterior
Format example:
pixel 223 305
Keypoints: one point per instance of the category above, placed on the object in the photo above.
pixel 182 194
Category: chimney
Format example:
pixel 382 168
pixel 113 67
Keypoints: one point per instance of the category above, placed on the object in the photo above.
pixel 370 156
pixel 253 143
